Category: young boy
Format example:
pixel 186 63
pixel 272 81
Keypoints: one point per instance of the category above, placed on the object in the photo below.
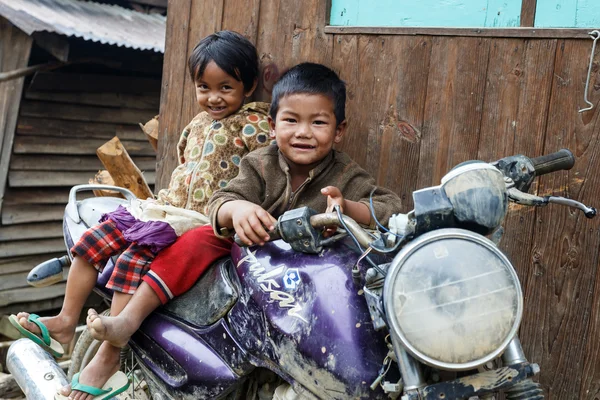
pixel 307 117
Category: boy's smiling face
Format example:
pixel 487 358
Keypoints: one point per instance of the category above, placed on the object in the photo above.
pixel 218 93
pixel 306 129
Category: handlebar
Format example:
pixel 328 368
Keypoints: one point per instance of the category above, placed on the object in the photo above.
pixel 562 159
pixel 318 221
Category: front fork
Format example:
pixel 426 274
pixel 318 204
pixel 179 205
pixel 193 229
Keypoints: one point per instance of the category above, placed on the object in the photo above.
pixel 514 378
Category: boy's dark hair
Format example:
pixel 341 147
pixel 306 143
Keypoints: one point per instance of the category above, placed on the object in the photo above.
pixel 232 52
pixel 311 78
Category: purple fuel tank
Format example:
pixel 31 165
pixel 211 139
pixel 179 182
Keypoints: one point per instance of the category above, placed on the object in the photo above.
pixel 304 317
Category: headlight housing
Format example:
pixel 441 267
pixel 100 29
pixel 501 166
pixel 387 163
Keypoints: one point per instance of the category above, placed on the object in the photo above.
pixel 453 299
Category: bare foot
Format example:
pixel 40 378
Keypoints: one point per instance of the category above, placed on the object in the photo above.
pixel 61 328
pixel 114 330
pixel 104 365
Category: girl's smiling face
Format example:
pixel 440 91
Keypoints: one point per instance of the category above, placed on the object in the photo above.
pixel 218 93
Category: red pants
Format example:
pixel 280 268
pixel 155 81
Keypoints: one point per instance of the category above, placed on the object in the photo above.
pixel 177 268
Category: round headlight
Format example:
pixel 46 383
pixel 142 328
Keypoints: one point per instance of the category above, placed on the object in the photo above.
pixel 453 299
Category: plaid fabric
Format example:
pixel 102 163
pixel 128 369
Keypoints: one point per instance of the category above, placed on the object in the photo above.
pixel 103 241
pixel 130 267
pixel 99 243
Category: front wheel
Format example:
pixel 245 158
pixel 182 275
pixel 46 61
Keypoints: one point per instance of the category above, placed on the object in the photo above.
pixel 85 350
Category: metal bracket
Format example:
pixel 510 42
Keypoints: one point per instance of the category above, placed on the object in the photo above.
pixel 595 36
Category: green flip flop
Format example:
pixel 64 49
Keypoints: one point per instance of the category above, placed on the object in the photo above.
pixel 118 383
pixel 45 341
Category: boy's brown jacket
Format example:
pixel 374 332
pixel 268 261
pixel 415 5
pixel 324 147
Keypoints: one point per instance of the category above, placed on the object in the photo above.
pixel 264 179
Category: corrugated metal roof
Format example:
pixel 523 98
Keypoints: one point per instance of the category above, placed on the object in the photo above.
pixel 102 23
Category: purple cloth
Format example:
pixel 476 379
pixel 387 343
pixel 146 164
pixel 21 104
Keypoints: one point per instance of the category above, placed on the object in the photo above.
pixel 155 234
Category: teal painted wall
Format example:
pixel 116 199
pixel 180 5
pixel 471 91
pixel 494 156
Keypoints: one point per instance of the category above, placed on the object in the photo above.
pixel 421 13
pixel 463 13
pixel 567 14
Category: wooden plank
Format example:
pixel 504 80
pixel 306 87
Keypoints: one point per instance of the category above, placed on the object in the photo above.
pixel 537 33
pixel 29 247
pixel 33 306
pixel 14 281
pixel 41 109
pixel 72 146
pixel 31 294
pixel 563 281
pixel 123 100
pixel 346 61
pixel 289 33
pixel 171 99
pixel 22 264
pixel 94 83
pixel 15 47
pixel 242 19
pixel 528 13
pixel 403 94
pixel 31 231
pixel 62 128
pixel 453 109
pixel 58 178
pixel 31 213
pixel 515 113
pixel 24 162
pixel 47 195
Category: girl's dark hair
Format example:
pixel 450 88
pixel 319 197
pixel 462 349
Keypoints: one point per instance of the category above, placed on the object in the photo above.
pixel 310 78
pixel 232 52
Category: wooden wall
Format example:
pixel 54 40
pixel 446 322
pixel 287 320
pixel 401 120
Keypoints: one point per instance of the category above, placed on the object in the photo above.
pixel 472 96
pixel 59 120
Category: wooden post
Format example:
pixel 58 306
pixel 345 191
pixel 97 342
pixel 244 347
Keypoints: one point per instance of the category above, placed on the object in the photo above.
pixel 121 168
pixel 528 13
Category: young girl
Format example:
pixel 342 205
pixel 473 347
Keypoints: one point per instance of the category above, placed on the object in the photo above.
pixel 224 68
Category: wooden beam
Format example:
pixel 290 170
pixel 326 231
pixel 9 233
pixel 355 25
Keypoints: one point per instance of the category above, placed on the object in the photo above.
pixel 15 47
pixel 69 82
pixel 82 146
pixel 42 109
pixel 31 294
pixel 54 44
pixel 534 33
pixel 124 100
pixel 58 178
pixel 44 230
pixel 122 169
pixel 58 127
pixel 51 162
pixel 528 13
pixel 21 264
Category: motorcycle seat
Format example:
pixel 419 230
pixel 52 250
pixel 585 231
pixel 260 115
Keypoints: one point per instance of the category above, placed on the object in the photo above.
pixel 209 299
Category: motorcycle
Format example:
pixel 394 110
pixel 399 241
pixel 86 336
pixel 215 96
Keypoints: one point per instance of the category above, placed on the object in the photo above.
pixel 427 308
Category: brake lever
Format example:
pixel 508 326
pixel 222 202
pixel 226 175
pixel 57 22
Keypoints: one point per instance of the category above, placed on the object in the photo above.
pixel 527 199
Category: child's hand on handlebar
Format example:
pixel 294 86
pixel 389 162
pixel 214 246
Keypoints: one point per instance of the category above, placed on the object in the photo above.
pixel 252 223
pixel 334 197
